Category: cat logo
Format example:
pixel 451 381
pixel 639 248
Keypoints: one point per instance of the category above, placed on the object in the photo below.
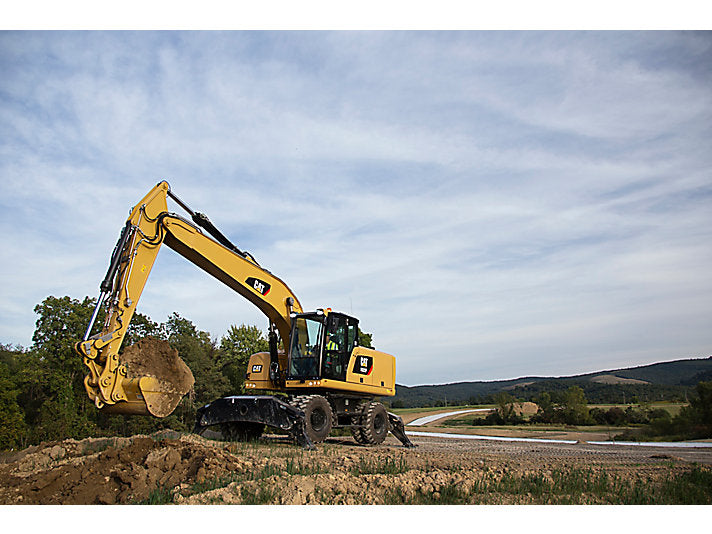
pixel 258 285
pixel 256 368
pixel 363 365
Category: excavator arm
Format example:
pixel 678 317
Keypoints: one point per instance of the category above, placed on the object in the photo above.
pixel 111 382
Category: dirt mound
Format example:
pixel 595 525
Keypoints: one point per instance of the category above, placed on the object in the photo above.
pixel 110 470
pixel 153 358
pixel 521 408
pixel 525 408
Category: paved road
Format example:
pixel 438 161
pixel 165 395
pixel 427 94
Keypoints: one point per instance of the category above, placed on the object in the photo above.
pixel 664 444
pixel 430 418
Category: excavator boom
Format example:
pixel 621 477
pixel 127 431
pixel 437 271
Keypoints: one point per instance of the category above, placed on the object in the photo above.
pixel 133 384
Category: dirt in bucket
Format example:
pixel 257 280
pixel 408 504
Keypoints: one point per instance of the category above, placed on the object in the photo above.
pixel 154 358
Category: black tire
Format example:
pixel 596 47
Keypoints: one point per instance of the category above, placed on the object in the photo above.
pixel 357 433
pixel 376 425
pixel 317 416
pixel 240 431
pixel 357 421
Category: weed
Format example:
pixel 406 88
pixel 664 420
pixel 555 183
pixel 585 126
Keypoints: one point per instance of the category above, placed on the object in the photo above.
pixel 99 445
pixel 262 495
pixel 387 466
pixel 213 483
pixel 160 495
pixel 294 467
pixel 447 494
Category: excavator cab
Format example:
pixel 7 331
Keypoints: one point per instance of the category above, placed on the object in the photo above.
pixel 321 345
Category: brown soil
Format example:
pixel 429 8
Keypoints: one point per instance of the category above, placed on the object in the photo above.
pixel 155 358
pixel 127 470
pixel 193 470
pixel 525 408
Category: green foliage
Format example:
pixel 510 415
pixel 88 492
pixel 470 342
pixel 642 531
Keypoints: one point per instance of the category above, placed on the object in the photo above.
pixel 235 350
pixel 576 407
pixel 365 339
pixel 61 323
pixel 200 353
pixel 42 395
pixel 570 408
pixel 543 400
pixel 142 326
pixel 693 422
pixel 505 413
pixel 12 420
pixel 701 406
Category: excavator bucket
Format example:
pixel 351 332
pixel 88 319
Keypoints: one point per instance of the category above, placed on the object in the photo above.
pixel 156 379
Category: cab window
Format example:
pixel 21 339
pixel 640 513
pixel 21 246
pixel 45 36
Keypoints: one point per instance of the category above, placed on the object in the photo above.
pixel 304 352
pixel 335 348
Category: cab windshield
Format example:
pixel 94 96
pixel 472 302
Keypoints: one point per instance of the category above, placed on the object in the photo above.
pixel 304 352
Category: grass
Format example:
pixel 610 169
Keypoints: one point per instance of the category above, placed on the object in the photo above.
pixel 386 466
pixel 263 495
pixel 100 445
pixel 575 486
pixel 159 496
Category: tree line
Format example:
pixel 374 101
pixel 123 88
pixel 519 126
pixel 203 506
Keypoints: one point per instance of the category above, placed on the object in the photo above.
pixel 572 408
pixel 42 395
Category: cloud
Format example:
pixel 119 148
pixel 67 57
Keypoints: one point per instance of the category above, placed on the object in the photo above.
pixel 490 205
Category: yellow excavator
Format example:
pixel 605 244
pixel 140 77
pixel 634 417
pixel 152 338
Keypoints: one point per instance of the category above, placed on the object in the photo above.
pixel 315 376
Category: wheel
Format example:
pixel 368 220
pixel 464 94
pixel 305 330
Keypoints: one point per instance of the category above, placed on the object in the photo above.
pixel 317 416
pixel 241 431
pixel 376 426
pixel 357 433
pixel 357 421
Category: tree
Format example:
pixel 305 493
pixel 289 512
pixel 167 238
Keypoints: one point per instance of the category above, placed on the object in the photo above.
pixel 236 347
pixel 505 409
pixel 61 323
pixel 701 406
pixel 200 354
pixel 543 400
pixel 142 326
pixel 365 339
pixel 12 421
pixel 576 407
pixel 695 420
pixel 58 406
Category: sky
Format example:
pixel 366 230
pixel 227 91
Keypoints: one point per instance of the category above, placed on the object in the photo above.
pixel 490 205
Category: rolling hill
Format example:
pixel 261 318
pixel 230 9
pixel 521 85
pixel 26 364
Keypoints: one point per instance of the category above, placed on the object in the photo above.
pixel 659 381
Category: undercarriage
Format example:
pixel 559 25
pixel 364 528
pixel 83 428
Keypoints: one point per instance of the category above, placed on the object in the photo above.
pixel 308 418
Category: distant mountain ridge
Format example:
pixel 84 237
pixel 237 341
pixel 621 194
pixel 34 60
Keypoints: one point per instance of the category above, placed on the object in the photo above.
pixel 658 381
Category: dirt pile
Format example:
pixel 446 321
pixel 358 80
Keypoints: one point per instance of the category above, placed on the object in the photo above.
pixel 525 408
pixel 110 470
